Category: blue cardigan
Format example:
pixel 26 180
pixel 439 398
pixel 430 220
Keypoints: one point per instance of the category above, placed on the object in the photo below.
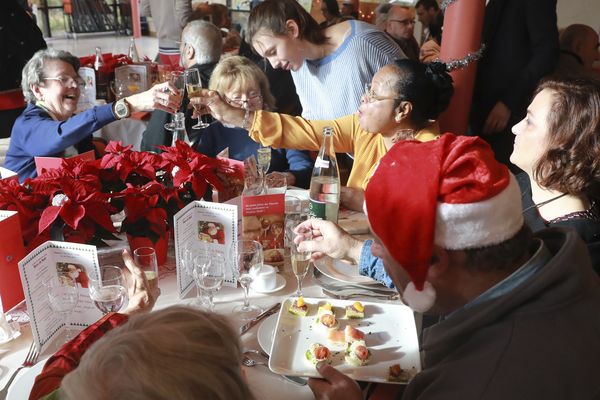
pixel 216 137
pixel 36 134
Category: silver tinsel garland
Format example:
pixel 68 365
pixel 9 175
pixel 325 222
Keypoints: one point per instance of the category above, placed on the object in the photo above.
pixel 464 62
pixel 446 3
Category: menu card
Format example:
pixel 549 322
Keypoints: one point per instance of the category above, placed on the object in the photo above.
pixel 214 224
pixel 11 251
pixel 67 261
pixel 47 163
pixel 8 174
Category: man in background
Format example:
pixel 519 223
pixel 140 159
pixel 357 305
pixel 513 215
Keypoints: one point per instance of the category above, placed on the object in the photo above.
pixel 578 52
pixel 427 10
pixel 201 46
pixel 169 18
pixel 400 26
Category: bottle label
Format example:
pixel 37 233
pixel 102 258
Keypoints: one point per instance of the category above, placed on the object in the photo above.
pixel 316 209
pixel 320 163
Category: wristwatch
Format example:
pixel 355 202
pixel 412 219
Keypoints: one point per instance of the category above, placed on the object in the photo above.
pixel 121 109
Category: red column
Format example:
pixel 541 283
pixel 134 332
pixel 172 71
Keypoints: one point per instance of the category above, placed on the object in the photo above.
pixel 463 22
pixel 135 19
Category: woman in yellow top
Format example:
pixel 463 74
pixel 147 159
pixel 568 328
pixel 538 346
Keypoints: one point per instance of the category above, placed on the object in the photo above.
pixel 402 102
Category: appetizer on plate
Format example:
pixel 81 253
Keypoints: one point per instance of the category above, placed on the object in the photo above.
pixel 317 353
pixel 299 307
pixel 397 374
pixel 343 337
pixel 357 353
pixel 356 310
pixel 328 321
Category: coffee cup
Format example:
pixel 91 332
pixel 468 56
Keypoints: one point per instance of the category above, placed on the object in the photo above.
pixel 264 278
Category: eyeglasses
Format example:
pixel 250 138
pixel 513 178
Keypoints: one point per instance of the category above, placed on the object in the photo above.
pixel 254 99
pixel 371 97
pixel 404 21
pixel 67 81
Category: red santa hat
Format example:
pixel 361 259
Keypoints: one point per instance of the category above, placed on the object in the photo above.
pixel 450 192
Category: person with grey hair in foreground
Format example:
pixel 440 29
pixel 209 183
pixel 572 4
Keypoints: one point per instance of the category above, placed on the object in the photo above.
pixel 48 126
pixel 201 46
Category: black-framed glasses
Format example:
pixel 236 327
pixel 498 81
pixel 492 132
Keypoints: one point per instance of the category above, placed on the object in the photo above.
pixel 404 22
pixel 67 81
pixel 371 97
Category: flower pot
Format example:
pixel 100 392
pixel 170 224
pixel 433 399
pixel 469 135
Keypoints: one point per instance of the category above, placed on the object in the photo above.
pixel 160 247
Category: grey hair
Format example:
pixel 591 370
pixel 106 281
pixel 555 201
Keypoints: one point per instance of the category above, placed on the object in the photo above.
pixel 206 39
pixel 174 353
pixel 33 71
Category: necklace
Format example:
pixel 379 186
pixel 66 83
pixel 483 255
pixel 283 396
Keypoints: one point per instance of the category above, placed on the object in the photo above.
pixel 543 203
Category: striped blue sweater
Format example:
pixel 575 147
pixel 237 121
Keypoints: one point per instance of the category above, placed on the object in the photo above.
pixel 332 86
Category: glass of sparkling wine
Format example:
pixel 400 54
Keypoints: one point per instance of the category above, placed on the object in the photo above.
pixel 145 258
pixel 264 161
pixel 63 296
pixel 177 79
pixel 300 265
pixel 109 291
pixel 249 256
pixel 193 85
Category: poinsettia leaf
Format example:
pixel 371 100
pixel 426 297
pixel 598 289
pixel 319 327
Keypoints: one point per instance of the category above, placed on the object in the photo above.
pixel 48 217
pixel 72 214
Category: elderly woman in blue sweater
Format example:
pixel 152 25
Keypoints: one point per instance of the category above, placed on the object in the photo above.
pixel 49 127
pixel 245 86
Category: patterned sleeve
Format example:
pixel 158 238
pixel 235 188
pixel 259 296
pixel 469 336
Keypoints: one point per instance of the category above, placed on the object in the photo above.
pixel 372 266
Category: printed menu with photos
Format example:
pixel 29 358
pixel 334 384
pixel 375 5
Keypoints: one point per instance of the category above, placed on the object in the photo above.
pixel 263 220
pixel 71 263
pixel 210 224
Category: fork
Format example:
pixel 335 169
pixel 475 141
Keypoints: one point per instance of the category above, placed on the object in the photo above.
pixel 351 294
pixel 248 362
pixel 30 361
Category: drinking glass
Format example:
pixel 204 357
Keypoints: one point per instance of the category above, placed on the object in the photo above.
pixel 193 85
pixel 199 257
pixel 109 291
pixel 63 296
pixel 177 79
pixel 145 258
pixel 209 275
pixel 249 256
pixel 296 212
pixel 263 163
pixel 300 265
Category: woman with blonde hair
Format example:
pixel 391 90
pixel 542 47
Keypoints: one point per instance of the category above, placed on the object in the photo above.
pixel 244 86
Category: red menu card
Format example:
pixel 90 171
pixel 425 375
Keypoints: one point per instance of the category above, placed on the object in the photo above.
pixel 263 218
pixel 45 163
pixel 11 252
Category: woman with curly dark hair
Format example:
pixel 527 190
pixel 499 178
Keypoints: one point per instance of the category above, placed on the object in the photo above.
pixel 558 146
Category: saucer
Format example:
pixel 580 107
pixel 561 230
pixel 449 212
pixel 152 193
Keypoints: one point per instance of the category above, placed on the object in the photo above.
pixel 279 284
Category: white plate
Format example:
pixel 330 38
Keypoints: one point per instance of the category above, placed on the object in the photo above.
pixel 390 335
pixel 21 386
pixel 341 271
pixel 279 284
pixel 266 332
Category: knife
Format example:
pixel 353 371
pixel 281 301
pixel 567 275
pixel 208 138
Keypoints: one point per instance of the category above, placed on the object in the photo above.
pixel 272 310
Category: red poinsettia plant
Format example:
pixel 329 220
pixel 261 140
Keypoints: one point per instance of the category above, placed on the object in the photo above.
pixel 77 200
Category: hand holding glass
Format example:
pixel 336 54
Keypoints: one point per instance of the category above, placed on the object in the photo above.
pixel 193 84
pixel 300 265
pixel 109 291
pixel 145 258
pixel 177 79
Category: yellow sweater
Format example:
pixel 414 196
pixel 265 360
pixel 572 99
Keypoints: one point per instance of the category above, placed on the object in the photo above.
pixel 288 132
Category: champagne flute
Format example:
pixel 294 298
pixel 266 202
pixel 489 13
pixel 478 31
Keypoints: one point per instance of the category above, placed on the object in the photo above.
pixel 249 256
pixel 193 85
pixel 209 276
pixel 63 296
pixel 145 258
pixel 109 292
pixel 300 265
pixel 177 80
pixel 263 161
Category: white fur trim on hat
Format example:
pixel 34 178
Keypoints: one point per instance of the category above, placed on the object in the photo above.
pixel 488 222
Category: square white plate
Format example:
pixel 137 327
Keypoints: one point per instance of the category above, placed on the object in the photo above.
pixel 390 335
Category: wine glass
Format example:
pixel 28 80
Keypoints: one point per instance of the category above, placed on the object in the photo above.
pixel 209 275
pixel 193 85
pixel 63 296
pixel 198 258
pixel 263 161
pixel 300 264
pixel 177 79
pixel 109 292
pixel 249 256
pixel 145 258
